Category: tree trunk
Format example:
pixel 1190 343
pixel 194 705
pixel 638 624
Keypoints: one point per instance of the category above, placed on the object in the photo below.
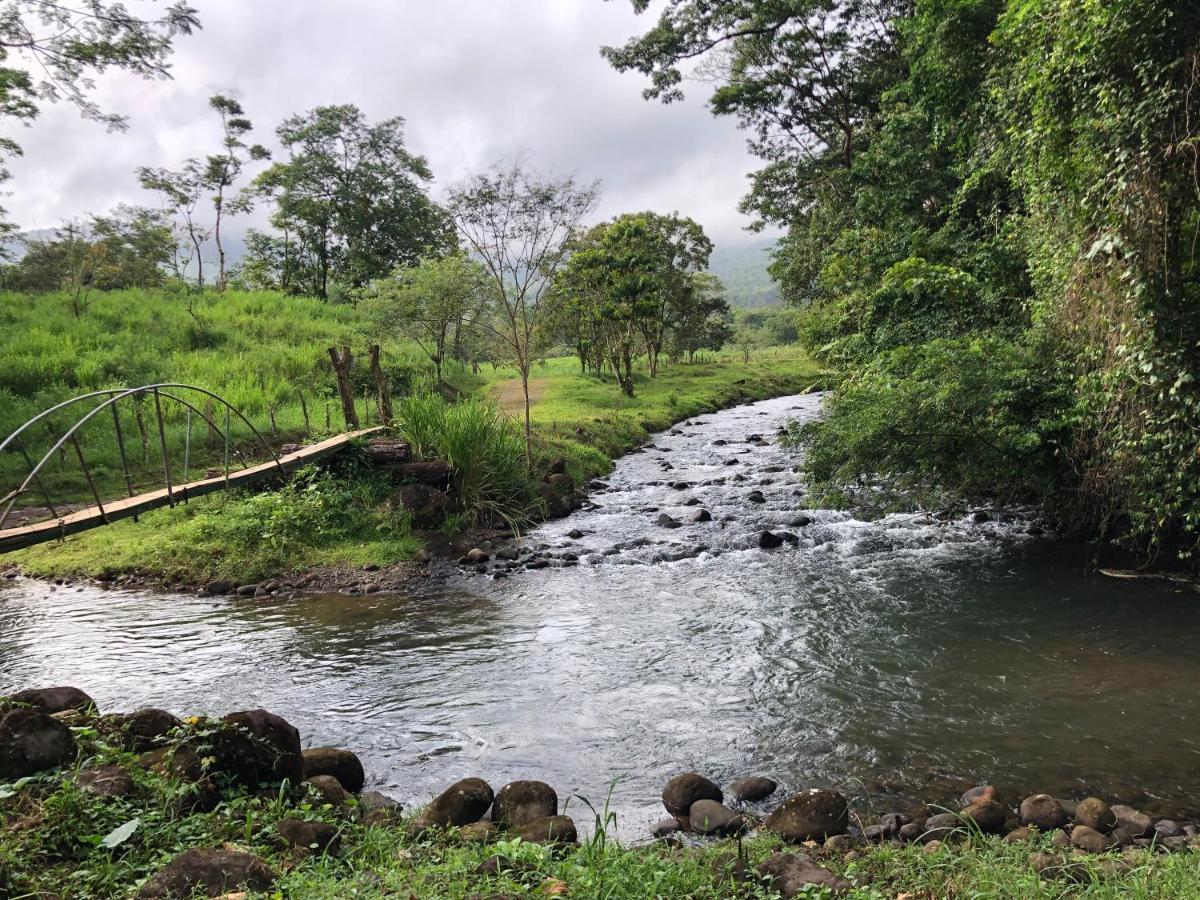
pixel 528 428
pixel 220 247
pixel 341 369
pixel 304 410
pixel 381 386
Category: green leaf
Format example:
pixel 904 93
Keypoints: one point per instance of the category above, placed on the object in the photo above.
pixel 120 834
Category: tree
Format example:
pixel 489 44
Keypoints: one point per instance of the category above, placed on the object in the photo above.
pixel 803 77
pixel 703 318
pixel 221 171
pixel 182 190
pixel 431 303
pixel 354 198
pixel 68 45
pixel 518 223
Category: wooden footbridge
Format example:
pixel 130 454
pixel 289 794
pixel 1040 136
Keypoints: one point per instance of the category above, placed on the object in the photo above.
pixel 104 404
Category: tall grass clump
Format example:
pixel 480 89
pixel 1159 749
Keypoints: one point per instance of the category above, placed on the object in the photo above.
pixel 484 449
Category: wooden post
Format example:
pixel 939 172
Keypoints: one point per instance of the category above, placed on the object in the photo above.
pixel 381 386
pixel 341 369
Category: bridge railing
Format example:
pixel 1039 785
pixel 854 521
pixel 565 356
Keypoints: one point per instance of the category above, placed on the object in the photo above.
pixel 108 400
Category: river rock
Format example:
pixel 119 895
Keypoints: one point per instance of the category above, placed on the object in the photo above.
pixel 1055 868
pixel 1095 813
pixel 1167 828
pixel 800 522
pixel 217 587
pixel 940 827
pixel 988 816
pixel 55 699
pixel 552 830
pixel 460 804
pixel 375 808
pixel 1018 835
pixel 145 729
pixel 911 831
pixel 248 764
pixel 427 506
pixel 982 792
pixel 210 873
pixel 665 520
pixel 666 827
pixel 684 790
pixel 343 765
pixel 810 815
pixel 791 874
pixel 519 802
pixel 753 789
pixel 1089 839
pixel 330 789
pixel 311 837
pixel 756 497
pixel 32 741
pixel 106 781
pixel 711 817
pixel 1136 823
pixel 700 515
pixel 768 540
pixel 1043 812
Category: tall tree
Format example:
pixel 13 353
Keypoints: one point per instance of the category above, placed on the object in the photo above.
pixel 353 196
pixel 518 223
pixel 182 190
pixel 803 77
pixel 221 171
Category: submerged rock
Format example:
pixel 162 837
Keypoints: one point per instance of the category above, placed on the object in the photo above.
pixel 751 790
pixel 768 540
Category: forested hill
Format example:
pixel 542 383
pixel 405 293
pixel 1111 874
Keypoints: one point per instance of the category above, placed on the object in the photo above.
pixel 742 268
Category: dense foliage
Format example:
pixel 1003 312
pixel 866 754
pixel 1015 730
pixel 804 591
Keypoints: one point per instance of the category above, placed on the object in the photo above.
pixel 992 209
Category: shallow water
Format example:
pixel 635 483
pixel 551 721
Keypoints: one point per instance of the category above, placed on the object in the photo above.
pixel 899 658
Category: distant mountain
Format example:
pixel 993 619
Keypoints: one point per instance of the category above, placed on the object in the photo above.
pixel 742 268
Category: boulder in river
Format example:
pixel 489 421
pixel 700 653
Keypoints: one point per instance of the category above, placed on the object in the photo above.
pixel 700 515
pixel 684 790
pixel 811 815
pixel 343 765
pixel 519 802
pixel 753 789
pixel 32 741
pixel 1043 812
pixel 55 699
pixel 462 803
pixel 769 540
pixel 756 497
pixel 711 817
pixel 666 520
pixel 475 556
pixel 210 873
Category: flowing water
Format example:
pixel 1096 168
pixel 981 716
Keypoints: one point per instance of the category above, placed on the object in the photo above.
pixel 898 658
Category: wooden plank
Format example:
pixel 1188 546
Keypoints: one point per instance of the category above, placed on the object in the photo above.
pixel 84 519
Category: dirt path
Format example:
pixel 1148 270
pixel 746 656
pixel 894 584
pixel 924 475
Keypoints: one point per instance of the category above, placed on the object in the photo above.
pixel 508 394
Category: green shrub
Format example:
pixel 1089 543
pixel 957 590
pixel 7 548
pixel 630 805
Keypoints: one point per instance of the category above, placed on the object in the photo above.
pixel 484 448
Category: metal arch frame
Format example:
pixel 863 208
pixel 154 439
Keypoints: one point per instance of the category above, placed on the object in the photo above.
pixel 114 396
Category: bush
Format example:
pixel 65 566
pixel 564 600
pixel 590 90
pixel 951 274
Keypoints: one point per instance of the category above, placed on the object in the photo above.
pixel 982 415
pixel 485 450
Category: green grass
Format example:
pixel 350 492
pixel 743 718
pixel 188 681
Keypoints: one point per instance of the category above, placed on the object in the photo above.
pixel 52 843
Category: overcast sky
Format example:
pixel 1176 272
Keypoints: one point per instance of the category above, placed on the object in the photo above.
pixel 476 80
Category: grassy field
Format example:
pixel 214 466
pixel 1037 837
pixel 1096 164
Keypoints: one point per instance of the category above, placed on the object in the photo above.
pixel 61 840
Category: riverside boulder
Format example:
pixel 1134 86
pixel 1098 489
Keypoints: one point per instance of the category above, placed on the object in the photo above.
pixel 684 790
pixel 55 699
pixel 145 729
pixel 1043 812
pixel 258 747
pixel 343 765
pixel 209 872
pixel 462 803
pixel 711 817
pixel 790 874
pixel 1095 813
pixel 521 802
pixel 811 815
pixel 32 741
pixel 556 831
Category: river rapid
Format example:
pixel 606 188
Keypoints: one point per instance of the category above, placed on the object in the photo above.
pixel 893 659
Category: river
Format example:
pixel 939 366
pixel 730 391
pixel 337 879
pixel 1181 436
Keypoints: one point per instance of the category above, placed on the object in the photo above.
pixel 893 659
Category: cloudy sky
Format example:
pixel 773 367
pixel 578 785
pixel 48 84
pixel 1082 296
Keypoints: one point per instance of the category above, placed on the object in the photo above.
pixel 476 80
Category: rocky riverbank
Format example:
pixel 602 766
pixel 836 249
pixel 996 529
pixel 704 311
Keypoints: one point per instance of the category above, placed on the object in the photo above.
pixel 213 805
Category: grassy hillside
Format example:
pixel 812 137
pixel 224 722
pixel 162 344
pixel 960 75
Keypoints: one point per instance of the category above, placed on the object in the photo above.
pixel 742 268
